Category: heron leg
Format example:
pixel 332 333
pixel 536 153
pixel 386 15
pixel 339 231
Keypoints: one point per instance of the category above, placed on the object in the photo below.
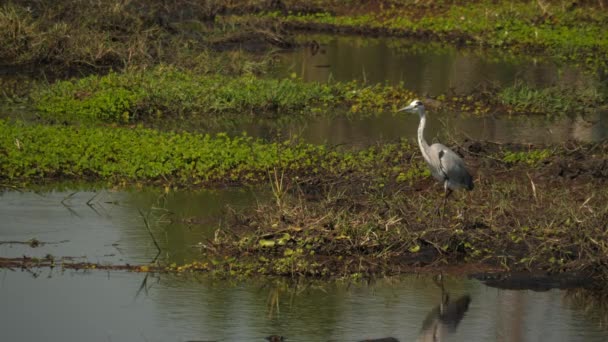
pixel 447 192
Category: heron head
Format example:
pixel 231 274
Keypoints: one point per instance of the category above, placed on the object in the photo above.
pixel 414 107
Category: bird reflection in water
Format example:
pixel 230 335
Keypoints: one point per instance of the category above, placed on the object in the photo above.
pixel 443 320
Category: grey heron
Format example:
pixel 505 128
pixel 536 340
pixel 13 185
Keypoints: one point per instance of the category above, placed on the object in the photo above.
pixel 446 166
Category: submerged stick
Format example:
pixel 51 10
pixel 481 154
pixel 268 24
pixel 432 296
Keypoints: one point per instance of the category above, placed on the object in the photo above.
pixel 151 235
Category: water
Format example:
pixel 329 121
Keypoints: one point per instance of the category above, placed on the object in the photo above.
pixel 426 68
pixel 57 305
pixel 101 306
pixel 107 226
pixel 430 69
pixel 391 127
pixel 433 69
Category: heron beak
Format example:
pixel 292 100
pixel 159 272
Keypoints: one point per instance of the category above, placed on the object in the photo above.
pixel 406 109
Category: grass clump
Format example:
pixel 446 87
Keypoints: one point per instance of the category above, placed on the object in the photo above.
pixel 548 222
pixel 551 100
pixel 120 34
pixel 168 92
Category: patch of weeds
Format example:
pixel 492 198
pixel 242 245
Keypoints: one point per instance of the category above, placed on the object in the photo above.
pixel 168 92
pixel 552 100
pixel 531 158
pixel 33 153
pixel 414 173
pixel 355 228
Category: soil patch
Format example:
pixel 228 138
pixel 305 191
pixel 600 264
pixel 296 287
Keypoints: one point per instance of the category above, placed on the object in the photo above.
pixel 525 214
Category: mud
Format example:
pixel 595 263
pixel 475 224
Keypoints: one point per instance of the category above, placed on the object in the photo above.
pixel 536 281
pixel 70 263
pixel 527 213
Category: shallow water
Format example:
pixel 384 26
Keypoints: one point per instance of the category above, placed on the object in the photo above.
pixel 427 68
pixel 102 306
pixel 390 127
pixel 60 305
pixel 445 127
pixel 107 226
pixel 434 69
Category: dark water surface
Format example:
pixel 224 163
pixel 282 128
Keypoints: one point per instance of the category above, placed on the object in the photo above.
pixel 444 127
pixel 427 68
pixel 104 306
pixel 55 305
pixel 434 69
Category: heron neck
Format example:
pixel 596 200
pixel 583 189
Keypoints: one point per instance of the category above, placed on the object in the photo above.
pixel 421 142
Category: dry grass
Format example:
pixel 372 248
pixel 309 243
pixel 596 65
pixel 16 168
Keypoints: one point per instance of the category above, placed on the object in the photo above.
pixel 122 33
pixel 518 218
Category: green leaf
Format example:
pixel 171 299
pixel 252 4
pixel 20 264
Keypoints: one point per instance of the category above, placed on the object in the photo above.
pixel 267 243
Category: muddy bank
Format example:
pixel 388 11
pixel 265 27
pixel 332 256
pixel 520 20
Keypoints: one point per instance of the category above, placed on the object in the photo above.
pixel 530 211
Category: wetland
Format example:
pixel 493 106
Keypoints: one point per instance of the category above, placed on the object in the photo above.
pixel 250 154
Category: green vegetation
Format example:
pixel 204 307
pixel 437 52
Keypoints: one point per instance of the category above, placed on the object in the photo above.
pixel 523 99
pixel 532 158
pixel 30 153
pixel 167 92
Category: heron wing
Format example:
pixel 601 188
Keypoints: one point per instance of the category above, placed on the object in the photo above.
pixel 452 166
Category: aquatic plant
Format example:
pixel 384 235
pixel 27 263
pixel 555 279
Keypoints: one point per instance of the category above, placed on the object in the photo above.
pixel 32 153
pixel 168 92
pixel 532 158
pixel 551 100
